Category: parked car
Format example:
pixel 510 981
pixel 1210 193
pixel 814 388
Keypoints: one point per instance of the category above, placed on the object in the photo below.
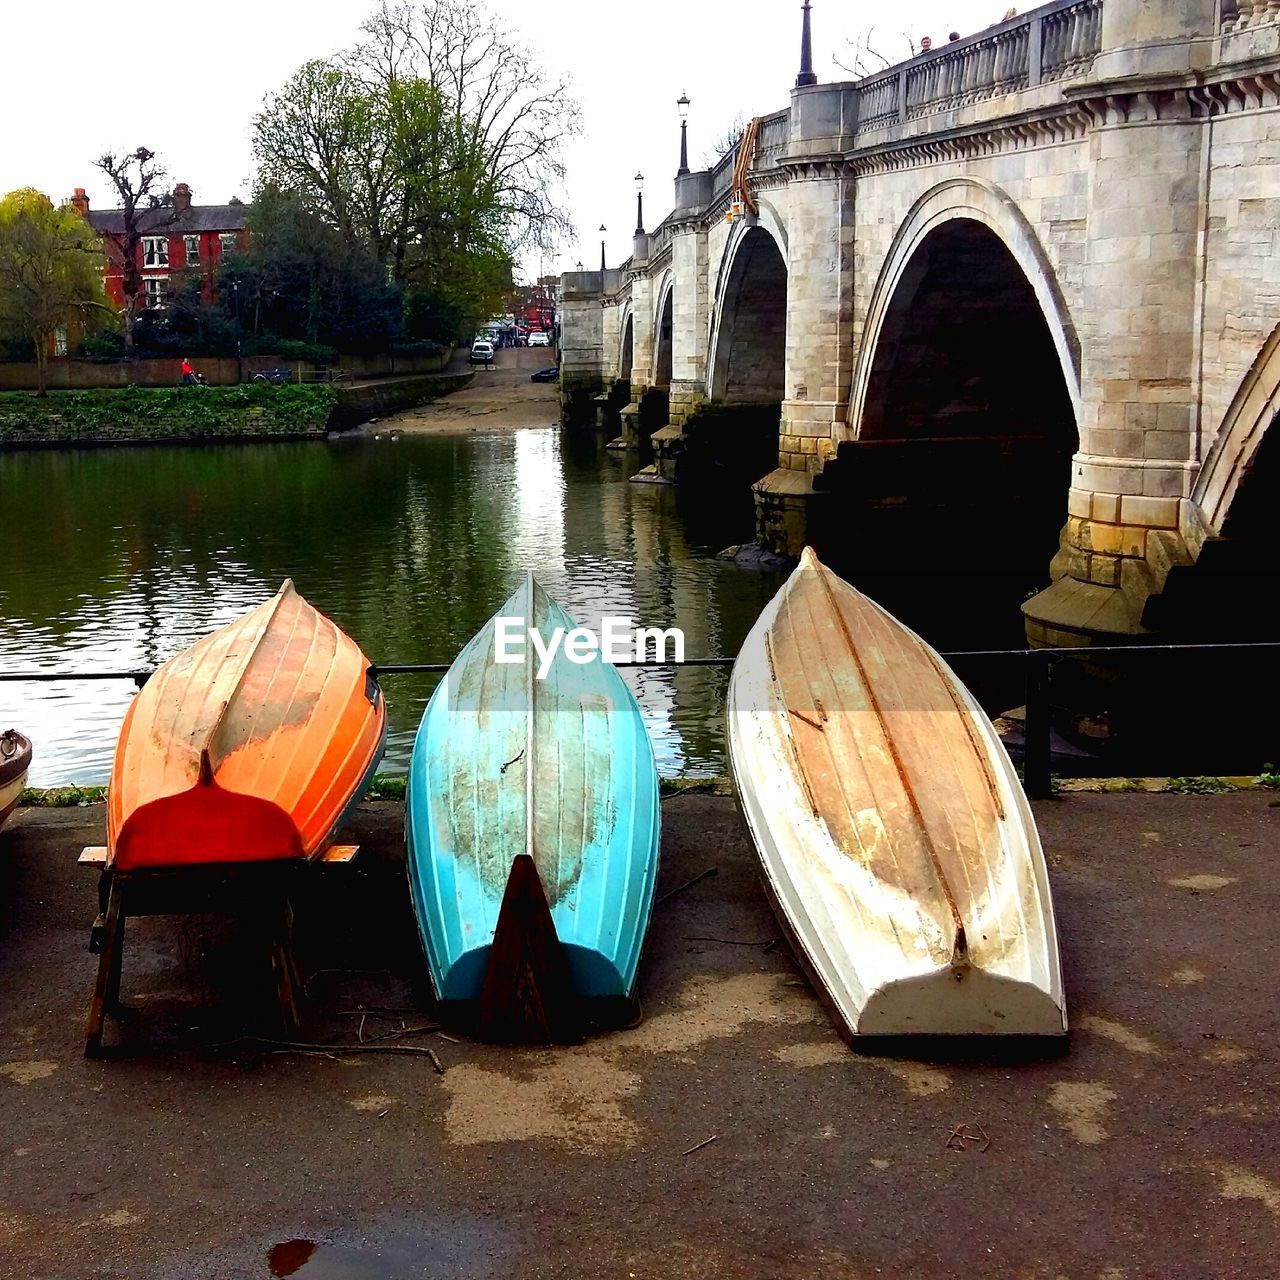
pixel 545 375
pixel 539 340
pixel 482 353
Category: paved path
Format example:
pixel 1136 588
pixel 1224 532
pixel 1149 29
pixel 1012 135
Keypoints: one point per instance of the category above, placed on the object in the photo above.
pixel 1151 1150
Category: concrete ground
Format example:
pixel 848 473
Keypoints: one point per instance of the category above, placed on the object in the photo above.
pixel 500 398
pixel 730 1134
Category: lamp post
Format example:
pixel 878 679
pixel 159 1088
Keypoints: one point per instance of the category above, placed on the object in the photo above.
pixel 579 266
pixel 603 229
pixel 639 203
pixel 682 106
pixel 235 294
pixel 806 76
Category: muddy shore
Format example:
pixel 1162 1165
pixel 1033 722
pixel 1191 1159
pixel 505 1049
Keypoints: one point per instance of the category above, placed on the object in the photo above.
pixel 1149 1150
pixel 500 398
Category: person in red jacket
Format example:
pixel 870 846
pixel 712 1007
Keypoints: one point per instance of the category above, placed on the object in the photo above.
pixel 188 373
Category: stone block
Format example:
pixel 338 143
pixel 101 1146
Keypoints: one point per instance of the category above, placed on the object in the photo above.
pixel 1105 507
pixel 1153 513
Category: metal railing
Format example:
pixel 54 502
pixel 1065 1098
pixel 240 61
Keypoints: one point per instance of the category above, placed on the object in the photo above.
pixel 1036 668
pixel 1051 43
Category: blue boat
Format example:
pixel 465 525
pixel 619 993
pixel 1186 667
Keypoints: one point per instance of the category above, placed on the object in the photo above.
pixel 532 827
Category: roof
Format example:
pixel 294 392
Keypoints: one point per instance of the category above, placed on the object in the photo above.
pixel 199 217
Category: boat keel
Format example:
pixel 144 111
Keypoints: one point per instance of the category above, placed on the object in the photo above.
pixel 527 996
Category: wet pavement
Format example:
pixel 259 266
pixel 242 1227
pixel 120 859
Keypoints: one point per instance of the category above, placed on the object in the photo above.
pixel 729 1134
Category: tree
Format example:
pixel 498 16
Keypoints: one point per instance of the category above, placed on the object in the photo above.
pixel 136 177
pixel 299 280
pixel 50 272
pixel 434 146
pixel 505 107
pixel 725 141
pixel 862 56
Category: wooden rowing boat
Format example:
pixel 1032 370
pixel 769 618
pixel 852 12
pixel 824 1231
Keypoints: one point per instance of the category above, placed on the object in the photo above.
pixel 249 746
pixel 15 760
pixel 532 827
pixel 897 843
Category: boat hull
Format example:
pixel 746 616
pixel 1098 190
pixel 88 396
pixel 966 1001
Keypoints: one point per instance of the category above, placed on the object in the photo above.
pixel 251 745
pixel 896 842
pixel 561 769
pixel 15 761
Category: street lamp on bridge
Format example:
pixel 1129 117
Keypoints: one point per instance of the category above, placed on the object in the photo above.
pixel 806 76
pixel 603 229
pixel 639 203
pixel 682 106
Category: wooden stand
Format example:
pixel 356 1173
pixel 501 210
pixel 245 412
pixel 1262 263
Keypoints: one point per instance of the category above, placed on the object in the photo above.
pixel 257 890
pixel 527 996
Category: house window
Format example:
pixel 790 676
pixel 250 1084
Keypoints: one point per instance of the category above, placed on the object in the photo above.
pixel 157 288
pixel 193 250
pixel 155 251
pixel 227 239
pixel 60 341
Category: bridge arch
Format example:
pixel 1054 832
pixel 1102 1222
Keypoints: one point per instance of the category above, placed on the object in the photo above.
pixel 976 201
pixel 626 344
pixel 746 357
pixel 1239 441
pixel 663 323
pixel 956 461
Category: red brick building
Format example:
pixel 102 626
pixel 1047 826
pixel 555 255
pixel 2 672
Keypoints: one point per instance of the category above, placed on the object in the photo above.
pixel 175 236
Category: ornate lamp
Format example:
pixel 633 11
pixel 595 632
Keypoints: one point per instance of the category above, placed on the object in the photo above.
pixel 682 106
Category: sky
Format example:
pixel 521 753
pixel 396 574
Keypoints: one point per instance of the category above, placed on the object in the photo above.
pixel 192 84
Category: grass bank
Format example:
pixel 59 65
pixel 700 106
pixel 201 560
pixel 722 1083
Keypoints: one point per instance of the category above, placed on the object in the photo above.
pixel 154 415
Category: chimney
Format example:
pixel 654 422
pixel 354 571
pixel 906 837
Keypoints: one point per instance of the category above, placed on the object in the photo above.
pixel 80 202
pixel 181 198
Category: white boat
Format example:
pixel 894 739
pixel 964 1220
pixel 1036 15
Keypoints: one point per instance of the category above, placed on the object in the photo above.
pixel 898 845
pixel 15 760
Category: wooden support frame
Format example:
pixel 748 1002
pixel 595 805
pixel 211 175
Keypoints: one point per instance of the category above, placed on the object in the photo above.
pixel 261 890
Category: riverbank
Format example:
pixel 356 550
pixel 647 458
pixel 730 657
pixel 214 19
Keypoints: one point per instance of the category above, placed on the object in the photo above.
pixel 1146 1150
pixel 501 398
pixel 165 415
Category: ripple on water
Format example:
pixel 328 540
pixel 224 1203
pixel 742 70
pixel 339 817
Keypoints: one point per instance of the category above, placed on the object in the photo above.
pixel 411 550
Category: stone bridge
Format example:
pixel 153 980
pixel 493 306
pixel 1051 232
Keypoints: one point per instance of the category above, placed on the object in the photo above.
pixel 1003 317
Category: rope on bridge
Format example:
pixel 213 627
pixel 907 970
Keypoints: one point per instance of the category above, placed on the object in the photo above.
pixel 744 201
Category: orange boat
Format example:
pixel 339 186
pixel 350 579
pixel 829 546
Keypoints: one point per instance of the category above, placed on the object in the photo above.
pixel 250 746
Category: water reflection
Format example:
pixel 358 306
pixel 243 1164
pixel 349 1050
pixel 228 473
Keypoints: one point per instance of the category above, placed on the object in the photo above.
pixel 115 560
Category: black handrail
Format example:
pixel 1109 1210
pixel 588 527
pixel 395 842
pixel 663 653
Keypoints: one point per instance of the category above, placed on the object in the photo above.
pixel 1037 749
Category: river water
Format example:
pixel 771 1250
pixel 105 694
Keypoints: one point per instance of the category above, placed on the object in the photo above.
pixel 116 559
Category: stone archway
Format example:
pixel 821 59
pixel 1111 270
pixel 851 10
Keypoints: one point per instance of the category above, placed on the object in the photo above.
pixel 1231 522
pixel 662 338
pixel 747 358
pixel 952 484
pixel 626 348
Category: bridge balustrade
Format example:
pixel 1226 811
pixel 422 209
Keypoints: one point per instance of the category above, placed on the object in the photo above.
pixel 1236 15
pixel 1051 43
pixel 773 138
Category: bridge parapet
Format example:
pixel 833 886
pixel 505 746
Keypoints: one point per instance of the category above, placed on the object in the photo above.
pixel 1052 43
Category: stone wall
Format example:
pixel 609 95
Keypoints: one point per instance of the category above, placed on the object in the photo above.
pixel 1133 177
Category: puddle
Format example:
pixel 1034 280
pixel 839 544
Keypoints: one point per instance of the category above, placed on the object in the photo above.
pixel 421 1248
pixel 310 1260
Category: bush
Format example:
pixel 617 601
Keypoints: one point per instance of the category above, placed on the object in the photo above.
pixel 293 350
pixel 104 348
pixel 423 348
pixel 165 413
